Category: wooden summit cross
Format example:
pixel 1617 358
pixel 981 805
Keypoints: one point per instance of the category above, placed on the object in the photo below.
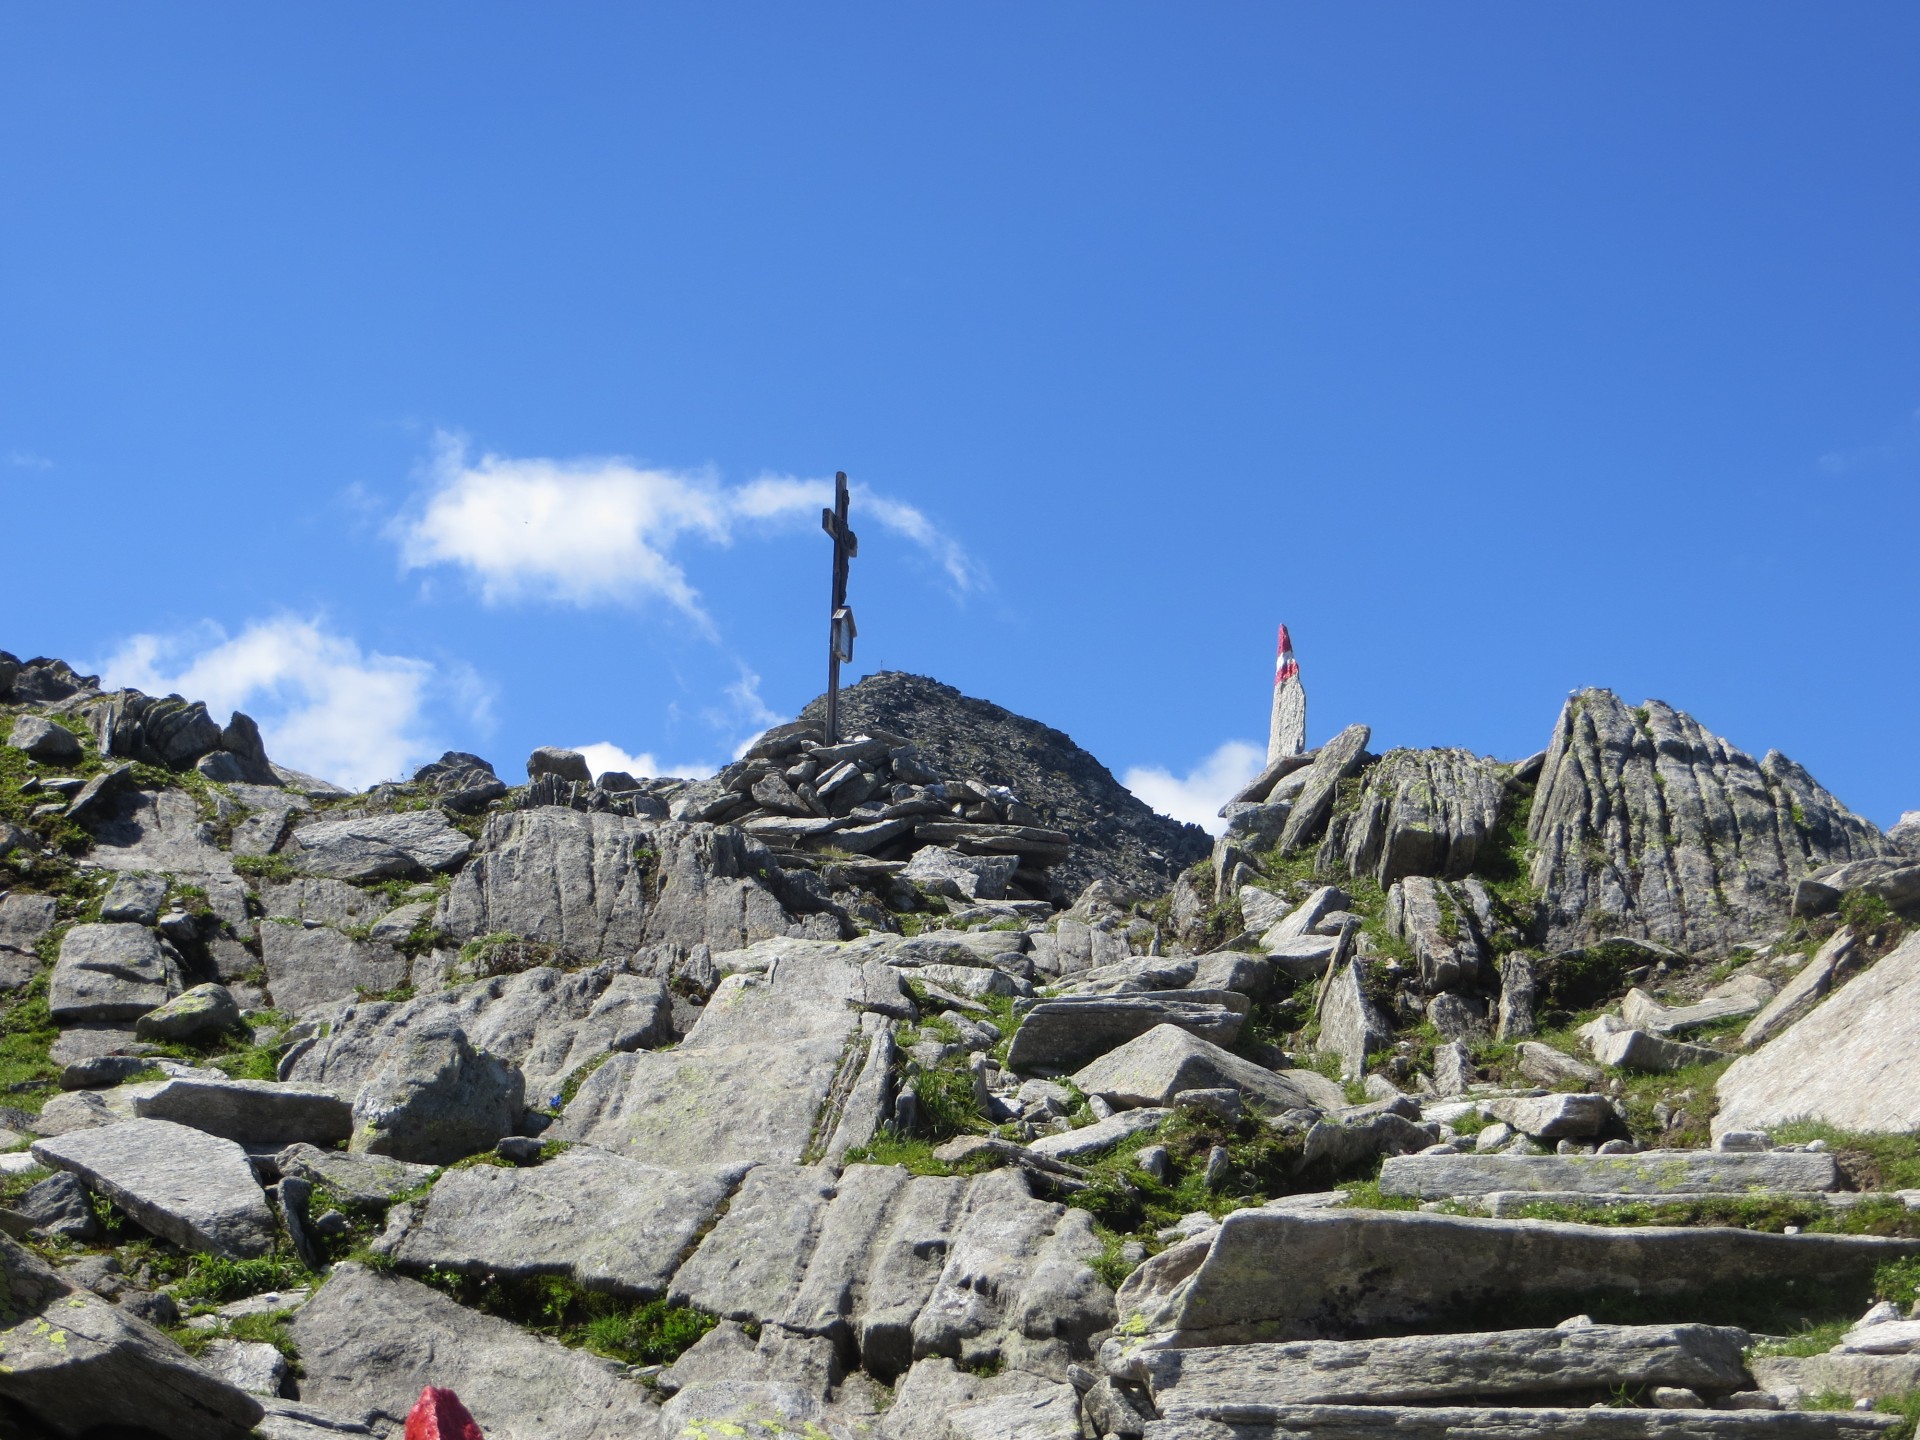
pixel 846 545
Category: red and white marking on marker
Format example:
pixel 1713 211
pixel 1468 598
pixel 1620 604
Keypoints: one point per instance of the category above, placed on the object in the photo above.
pixel 1285 667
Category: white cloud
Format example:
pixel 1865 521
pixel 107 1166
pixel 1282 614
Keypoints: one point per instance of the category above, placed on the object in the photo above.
pixel 324 706
pixel 603 756
pixel 602 530
pixel 1198 796
pixel 23 460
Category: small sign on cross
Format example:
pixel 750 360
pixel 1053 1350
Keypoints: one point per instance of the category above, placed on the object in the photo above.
pixel 841 629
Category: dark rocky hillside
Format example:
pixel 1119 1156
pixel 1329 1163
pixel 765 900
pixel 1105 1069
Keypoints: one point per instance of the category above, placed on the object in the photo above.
pixel 1115 836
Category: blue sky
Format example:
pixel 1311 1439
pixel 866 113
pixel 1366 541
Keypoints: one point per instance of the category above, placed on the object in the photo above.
pixel 465 376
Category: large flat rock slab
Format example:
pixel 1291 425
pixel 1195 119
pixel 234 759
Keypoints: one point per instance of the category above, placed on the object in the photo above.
pixel 1158 1065
pixel 1429 1369
pixel 1270 1275
pixel 1849 1063
pixel 161 831
pixel 1450 1422
pixel 1018 1287
pixel 110 972
pixel 753 1080
pixel 253 1112
pixel 1059 1036
pixel 372 1342
pixel 1652 1173
pixel 184 1185
pixel 738 1104
pixel 76 1362
pixel 404 846
pixel 750 1265
pixel 609 1223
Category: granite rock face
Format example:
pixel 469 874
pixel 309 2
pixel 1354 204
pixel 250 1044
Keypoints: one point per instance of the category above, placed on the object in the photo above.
pixel 407 845
pixel 1420 812
pixel 594 885
pixel 1645 824
pixel 545 1022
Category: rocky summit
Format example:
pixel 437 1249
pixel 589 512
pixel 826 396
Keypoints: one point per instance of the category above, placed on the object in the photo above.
pixel 926 1086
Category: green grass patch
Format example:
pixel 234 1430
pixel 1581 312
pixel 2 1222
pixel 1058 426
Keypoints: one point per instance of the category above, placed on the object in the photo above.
pixel 1906 1405
pixel 1365 1195
pixel 635 1332
pixel 913 1154
pixel 1808 1340
pixel 28 1076
pixel 12 1187
pixel 218 1280
pixel 277 868
pixel 1872 1162
pixel 1127 1201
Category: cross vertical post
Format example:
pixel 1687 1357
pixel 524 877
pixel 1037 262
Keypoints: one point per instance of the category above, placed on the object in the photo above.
pixel 840 630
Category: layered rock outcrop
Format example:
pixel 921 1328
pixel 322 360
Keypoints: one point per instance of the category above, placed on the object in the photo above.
pixel 1645 824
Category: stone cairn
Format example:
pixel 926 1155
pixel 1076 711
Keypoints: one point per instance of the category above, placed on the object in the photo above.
pixel 870 803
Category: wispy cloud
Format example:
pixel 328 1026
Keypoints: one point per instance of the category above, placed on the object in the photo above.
pixel 23 460
pixel 603 756
pixel 603 530
pixel 1197 796
pixel 324 705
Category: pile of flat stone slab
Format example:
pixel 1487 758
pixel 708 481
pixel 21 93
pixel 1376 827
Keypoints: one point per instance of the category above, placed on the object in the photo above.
pixel 874 796
pixel 1285 1321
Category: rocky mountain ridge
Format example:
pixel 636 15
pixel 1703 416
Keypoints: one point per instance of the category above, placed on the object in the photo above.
pixel 1444 1096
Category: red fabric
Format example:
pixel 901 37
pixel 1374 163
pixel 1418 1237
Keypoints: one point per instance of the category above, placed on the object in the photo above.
pixel 439 1415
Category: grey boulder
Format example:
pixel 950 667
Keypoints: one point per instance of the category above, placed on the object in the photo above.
pixel 1269 1274
pixel 1430 1369
pixel 134 898
pixel 1062 1034
pixel 253 1112
pixel 1554 1117
pixel 434 1099
pixel 1153 1068
pixel 364 1181
pixel 45 741
pixel 203 1011
pixel 1652 1173
pixel 80 1364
